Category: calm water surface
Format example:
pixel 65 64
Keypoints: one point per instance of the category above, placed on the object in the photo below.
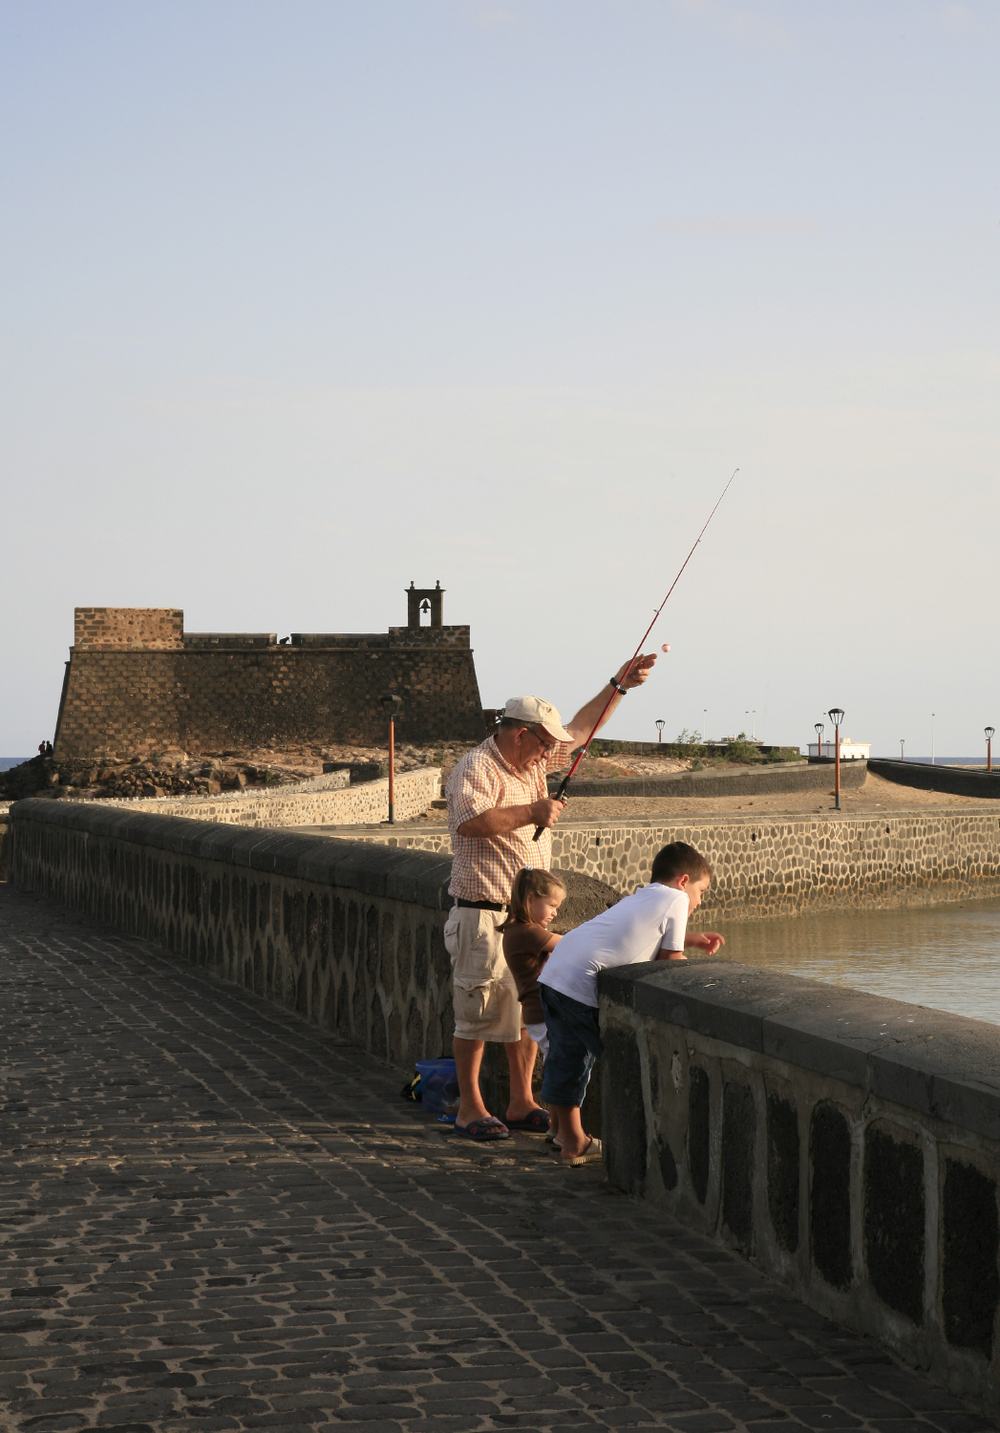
pixel 946 957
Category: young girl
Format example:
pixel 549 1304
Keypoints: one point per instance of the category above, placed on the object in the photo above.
pixel 527 943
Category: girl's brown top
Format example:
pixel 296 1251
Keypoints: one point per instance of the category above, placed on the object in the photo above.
pixel 526 948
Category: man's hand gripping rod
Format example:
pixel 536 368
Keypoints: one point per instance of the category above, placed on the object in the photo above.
pixel 561 793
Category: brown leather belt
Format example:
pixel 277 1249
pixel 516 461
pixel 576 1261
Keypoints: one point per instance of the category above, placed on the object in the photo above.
pixel 479 905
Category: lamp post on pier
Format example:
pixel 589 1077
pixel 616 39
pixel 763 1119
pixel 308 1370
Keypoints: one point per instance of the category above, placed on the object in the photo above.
pixel 989 747
pixel 902 744
pixel 391 706
pixel 932 738
pixel 660 724
pixel 820 729
pixel 836 715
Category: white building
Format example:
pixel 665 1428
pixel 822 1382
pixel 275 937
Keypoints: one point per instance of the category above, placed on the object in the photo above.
pixel 849 750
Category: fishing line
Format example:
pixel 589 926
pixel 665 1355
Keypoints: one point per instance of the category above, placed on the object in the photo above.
pixel 561 793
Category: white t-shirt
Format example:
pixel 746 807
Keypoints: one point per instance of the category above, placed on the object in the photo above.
pixel 635 929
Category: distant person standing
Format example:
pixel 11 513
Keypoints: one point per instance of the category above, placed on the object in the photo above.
pixel 497 796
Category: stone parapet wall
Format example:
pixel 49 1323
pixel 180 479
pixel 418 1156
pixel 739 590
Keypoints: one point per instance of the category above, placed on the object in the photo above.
pixel 847 1144
pixel 323 801
pixel 777 866
pixel 350 937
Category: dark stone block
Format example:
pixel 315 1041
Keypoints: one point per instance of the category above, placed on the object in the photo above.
pixel 894 1221
pixel 378 1042
pixel 420 958
pixel 699 1130
pixel 338 926
pixel 668 1166
pixel 404 956
pixel 783 1171
pixel 739 1127
pixel 387 948
pixel 623 1110
pixel 830 1203
pixel 971 1243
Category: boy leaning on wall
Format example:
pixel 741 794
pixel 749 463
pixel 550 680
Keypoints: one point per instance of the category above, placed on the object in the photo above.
pixel 649 925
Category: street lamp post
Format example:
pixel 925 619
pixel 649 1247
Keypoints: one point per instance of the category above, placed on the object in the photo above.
pixel 704 726
pixel 932 738
pixel 660 724
pixel 820 729
pixel 836 715
pixel 989 747
pixel 902 745
pixel 391 706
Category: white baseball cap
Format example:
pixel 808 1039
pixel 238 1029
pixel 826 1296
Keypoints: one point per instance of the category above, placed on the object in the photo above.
pixel 534 710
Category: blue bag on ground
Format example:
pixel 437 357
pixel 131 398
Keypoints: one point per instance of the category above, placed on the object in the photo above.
pixel 438 1086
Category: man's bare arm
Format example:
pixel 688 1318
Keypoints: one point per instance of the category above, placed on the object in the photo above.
pixel 544 812
pixel 582 724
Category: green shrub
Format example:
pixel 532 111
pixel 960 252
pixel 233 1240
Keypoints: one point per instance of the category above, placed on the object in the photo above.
pixel 741 748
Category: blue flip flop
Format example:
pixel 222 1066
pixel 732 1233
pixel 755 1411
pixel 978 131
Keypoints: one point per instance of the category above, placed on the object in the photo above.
pixel 484 1130
pixel 536 1123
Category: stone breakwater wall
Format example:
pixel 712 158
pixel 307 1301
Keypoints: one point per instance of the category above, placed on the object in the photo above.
pixel 349 936
pixel 954 780
pixel 322 801
pixel 777 866
pixel 738 781
pixel 847 1144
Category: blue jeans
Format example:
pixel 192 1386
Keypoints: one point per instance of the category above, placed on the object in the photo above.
pixel 574 1044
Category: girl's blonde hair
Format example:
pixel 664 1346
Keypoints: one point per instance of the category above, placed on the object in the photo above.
pixel 531 883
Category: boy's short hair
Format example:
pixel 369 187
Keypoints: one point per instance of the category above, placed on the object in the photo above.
pixel 531 882
pixel 679 859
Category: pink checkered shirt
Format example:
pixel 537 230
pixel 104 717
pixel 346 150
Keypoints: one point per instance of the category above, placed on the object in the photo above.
pixel 484 867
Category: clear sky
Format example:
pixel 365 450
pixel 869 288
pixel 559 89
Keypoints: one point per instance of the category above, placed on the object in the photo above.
pixel 303 300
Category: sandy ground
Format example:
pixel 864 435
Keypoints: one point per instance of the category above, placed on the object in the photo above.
pixel 876 794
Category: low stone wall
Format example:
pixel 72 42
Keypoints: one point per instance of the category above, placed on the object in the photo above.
pixel 322 801
pixel 848 1145
pixel 739 781
pixel 953 780
pixel 349 936
pixel 773 866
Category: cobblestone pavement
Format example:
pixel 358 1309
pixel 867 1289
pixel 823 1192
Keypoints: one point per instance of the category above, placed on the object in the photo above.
pixel 216 1217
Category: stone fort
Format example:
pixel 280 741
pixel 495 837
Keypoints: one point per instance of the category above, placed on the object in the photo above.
pixel 137 683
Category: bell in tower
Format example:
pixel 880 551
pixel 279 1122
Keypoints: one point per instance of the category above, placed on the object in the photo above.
pixel 423 600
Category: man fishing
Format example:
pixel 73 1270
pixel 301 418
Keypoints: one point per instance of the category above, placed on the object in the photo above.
pixel 496 794
pixel 497 798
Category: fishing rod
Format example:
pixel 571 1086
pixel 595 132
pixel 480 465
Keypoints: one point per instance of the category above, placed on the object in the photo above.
pixel 561 793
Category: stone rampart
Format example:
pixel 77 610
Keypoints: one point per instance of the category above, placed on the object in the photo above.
pixel 323 801
pixel 349 936
pixel 847 1144
pixel 782 865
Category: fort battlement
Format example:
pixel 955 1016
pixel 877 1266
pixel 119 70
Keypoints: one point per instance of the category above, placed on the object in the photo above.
pixel 137 683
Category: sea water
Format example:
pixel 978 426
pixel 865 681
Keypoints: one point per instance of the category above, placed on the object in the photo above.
pixel 946 957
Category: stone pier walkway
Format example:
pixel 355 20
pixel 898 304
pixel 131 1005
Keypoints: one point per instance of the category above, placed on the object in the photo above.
pixel 215 1217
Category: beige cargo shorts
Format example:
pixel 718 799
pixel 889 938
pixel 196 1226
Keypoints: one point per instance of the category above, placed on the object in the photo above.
pixel 483 989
